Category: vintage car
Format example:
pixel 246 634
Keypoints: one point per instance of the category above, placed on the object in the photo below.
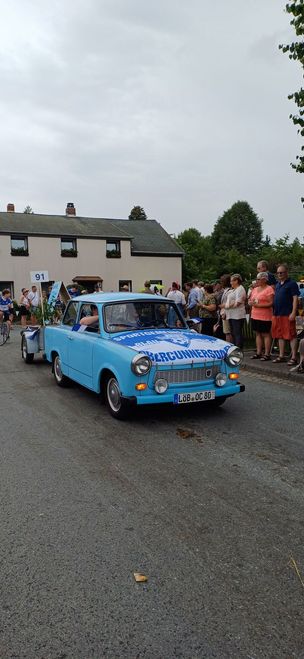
pixel 136 350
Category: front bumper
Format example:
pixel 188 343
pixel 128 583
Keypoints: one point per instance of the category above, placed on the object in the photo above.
pixel 147 398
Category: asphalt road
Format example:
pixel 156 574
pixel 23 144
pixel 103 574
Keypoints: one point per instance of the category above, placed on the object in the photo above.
pixel 208 505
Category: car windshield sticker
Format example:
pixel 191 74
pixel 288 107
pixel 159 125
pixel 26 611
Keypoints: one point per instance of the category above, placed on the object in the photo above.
pixel 174 346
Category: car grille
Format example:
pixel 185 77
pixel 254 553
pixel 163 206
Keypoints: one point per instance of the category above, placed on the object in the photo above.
pixel 183 375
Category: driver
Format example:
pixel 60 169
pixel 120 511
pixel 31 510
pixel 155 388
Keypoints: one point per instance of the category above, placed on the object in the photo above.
pixel 93 319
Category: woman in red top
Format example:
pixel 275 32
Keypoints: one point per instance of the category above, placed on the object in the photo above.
pixel 261 302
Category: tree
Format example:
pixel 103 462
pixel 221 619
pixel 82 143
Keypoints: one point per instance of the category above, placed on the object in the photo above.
pixel 137 213
pixel 296 52
pixel 238 228
pixel 198 254
pixel 28 210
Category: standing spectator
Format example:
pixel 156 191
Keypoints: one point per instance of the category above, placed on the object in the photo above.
pixel 177 296
pixel 147 287
pixel 186 291
pixel 34 300
pixel 235 309
pixel 24 306
pixel 207 310
pixel 262 266
pixel 201 285
pixel 73 290
pixel 218 291
pixel 225 281
pixel 193 300
pixel 6 307
pixel 261 302
pixel 284 314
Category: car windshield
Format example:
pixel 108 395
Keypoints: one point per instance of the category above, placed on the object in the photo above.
pixel 127 316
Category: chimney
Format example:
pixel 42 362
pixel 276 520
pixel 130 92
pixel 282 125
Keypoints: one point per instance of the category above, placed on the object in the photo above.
pixel 10 208
pixel 70 209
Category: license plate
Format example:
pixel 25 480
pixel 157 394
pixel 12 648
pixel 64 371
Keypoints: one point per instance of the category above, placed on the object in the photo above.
pixel 194 397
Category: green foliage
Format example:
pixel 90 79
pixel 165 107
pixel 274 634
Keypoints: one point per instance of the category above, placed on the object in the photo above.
pixel 198 254
pixel 137 213
pixel 28 210
pixel 295 51
pixel 208 257
pixel 238 228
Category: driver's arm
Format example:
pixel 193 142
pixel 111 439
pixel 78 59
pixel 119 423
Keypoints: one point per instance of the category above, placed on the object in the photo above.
pixel 89 320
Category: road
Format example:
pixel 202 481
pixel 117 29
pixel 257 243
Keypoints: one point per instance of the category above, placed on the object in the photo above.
pixel 208 505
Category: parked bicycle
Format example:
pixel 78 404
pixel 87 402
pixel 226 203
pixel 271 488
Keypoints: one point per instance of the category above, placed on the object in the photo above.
pixel 4 332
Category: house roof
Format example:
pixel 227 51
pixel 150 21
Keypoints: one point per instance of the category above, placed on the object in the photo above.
pixel 146 236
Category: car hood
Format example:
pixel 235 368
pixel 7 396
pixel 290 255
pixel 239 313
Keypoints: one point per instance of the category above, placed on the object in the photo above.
pixel 178 346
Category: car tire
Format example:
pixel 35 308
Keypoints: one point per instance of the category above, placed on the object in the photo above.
pixel 60 379
pixel 27 356
pixel 117 407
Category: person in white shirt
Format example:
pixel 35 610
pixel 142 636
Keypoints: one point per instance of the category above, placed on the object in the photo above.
pixel 34 300
pixel 177 296
pixel 235 309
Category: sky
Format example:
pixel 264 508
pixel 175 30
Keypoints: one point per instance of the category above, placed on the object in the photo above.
pixel 179 107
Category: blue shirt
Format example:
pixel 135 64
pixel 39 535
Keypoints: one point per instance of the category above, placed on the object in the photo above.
pixel 194 298
pixel 283 297
pixel 5 303
pixel 271 279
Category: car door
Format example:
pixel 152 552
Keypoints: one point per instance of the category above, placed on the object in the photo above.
pixel 80 350
pixel 68 322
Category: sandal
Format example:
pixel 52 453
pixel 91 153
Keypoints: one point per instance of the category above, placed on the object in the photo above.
pixel 278 360
pixel 292 362
pixel 266 358
pixel 256 356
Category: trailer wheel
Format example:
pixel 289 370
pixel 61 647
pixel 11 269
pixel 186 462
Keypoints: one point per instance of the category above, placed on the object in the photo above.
pixel 27 356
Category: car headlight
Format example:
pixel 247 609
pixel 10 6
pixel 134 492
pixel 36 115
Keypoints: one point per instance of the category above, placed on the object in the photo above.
pixel 161 385
pixel 220 379
pixel 234 356
pixel 141 364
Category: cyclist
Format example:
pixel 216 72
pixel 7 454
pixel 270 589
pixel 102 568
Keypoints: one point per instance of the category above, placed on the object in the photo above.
pixel 6 307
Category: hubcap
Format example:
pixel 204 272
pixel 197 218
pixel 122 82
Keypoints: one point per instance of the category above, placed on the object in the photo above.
pixel 57 369
pixel 114 397
pixel 24 349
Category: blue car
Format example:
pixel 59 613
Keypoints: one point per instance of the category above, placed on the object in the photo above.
pixel 136 350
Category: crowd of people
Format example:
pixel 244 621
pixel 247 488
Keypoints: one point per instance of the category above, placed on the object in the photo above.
pixel 271 305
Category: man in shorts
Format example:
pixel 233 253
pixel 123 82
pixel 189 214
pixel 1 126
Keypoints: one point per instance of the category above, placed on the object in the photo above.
pixel 284 314
pixel 6 307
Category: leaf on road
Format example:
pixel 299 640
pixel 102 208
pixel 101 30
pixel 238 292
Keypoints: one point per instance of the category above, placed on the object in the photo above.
pixel 140 578
pixel 186 433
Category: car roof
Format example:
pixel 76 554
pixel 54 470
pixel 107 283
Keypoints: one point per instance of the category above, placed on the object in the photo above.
pixel 95 298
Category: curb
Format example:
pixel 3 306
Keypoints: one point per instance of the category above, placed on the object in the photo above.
pixel 280 373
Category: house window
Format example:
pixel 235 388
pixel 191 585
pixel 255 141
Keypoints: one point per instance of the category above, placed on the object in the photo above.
pixel 113 249
pixel 19 246
pixel 9 285
pixel 68 247
pixel 123 283
pixel 157 285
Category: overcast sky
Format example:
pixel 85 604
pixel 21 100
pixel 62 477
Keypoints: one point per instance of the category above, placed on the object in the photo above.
pixel 179 107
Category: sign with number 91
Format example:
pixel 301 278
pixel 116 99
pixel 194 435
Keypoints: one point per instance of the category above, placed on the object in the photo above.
pixel 39 276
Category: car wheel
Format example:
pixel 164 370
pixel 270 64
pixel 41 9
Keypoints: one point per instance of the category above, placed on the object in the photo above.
pixel 27 356
pixel 60 379
pixel 117 407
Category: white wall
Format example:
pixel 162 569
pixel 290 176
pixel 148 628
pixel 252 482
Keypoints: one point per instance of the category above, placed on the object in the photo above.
pixel 45 254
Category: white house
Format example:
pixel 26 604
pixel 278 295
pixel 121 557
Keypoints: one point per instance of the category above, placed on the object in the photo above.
pixel 86 250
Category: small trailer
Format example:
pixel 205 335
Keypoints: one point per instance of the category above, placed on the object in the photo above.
pixel 32 343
